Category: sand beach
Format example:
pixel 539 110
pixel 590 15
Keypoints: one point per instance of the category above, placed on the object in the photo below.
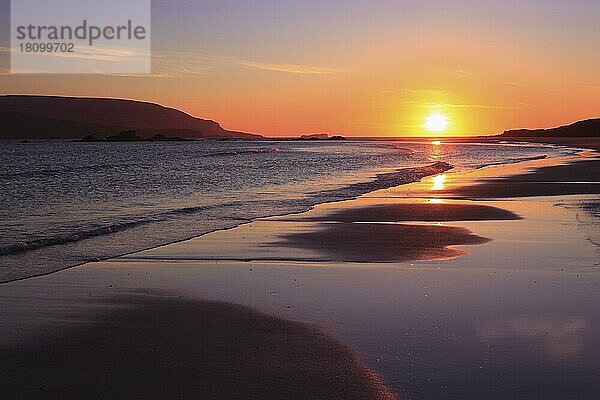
pixel 403 292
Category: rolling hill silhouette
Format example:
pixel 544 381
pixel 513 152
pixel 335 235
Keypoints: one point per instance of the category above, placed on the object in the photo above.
pixel 585 128
pixel 54 117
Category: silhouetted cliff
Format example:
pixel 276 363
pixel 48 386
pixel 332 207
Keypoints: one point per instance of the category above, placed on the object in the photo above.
pixel 50 117
pixel 586 128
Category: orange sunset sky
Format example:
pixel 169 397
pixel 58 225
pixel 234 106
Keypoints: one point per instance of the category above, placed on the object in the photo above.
pixel 359 68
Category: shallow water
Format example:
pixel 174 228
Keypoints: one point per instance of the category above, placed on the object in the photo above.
pixel 66 203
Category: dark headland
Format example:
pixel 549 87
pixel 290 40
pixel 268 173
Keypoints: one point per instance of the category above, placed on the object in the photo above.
pixel 585 133
pixel 585 128
pixel 54 117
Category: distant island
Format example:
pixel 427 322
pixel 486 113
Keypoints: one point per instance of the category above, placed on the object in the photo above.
pixel 320 136
pixel 131 136
pixel 585 128
pixel 54 117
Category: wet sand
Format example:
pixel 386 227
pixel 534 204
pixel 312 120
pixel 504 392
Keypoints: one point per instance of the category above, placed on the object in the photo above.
pixel 580 177
pixel 514 306
pixel 159 347
pixel 385 242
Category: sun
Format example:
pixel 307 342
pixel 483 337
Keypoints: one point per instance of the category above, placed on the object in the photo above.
pixel 436 123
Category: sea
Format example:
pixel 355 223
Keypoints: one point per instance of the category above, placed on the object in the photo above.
pixel 66 203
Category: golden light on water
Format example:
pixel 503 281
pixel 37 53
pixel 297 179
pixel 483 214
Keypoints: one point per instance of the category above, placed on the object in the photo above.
pixel 436 122
pixel 436 142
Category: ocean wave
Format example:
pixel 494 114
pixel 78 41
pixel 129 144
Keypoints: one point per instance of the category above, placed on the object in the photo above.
pixel 381 181
pixel 388 180
pixel 398 148
pixel 62 170
pixel 259 150
pixel 403 150
pixel 91 232
pixel 75 236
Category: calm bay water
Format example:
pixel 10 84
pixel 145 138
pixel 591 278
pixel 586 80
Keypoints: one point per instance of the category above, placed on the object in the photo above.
pixel 66 203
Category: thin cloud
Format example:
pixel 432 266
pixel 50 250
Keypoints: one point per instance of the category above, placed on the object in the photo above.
pixel 203 63
pixel 90 53
pixel 290 68
pixel 420 104
pixel 179 64
pixel 113 55
pixel 480 106
pixel 463 72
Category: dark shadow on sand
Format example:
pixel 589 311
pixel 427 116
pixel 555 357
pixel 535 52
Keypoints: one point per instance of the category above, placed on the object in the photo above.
pixel 426 212
pixel 167 348
pixel 357 234
pixel 385 242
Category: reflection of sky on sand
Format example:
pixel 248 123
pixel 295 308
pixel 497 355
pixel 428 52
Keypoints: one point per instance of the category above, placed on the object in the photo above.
pixel 549 238
pixel 516 318
pixel 548 232
pixel 554 338
pixel 466 328
pixel 447 333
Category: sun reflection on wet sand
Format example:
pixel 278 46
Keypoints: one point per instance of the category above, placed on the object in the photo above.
pixel 438 182
pixel 435 201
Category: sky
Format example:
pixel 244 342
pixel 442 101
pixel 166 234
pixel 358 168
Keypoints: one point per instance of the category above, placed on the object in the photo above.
pixel 357 67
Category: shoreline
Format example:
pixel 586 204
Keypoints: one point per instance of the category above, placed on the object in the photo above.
pixel 379 179
pixel 81 292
